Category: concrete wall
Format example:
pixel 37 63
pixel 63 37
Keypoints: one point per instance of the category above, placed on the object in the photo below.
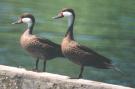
pixel 16 78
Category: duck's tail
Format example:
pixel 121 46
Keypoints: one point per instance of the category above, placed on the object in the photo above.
pixel 118 70
pixel 112 66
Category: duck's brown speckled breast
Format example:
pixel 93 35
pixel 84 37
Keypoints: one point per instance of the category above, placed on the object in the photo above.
pixel 32 45
pixel 69 50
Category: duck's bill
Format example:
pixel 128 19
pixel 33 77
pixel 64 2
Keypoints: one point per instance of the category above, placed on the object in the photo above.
pixel 57 17
pixel 17 22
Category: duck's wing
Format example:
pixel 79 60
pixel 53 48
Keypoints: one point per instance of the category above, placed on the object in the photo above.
pixel 51 46
pixel 107 62
pixel 93 53
pixel 48 42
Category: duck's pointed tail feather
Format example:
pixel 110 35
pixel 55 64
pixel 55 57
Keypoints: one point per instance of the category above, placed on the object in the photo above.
pixel 118 70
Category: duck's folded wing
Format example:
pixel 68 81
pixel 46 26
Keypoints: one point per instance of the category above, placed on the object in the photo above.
pixel 53 48
pixel 93 53
pixel 48 42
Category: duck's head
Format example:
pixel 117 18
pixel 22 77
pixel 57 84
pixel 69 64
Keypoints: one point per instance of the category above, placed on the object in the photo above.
pixel 25 18
pixel 67 12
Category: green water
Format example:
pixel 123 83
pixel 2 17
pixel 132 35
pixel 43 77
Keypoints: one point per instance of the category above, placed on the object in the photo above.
pixel 106 26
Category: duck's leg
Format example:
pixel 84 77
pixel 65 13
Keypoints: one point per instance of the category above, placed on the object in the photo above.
pixel 44 66
pixel 80 75
pixel 37 61
pixel 81 72
pixel 36 68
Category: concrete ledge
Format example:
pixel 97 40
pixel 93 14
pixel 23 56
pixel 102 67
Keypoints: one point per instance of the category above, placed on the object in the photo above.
pixel 16 78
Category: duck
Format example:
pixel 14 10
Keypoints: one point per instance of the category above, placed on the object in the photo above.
pixel 77 53
pixel 37 47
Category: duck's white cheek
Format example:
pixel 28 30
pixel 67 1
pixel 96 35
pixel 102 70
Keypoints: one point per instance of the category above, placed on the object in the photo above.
pixel 67 14
pixel 26 20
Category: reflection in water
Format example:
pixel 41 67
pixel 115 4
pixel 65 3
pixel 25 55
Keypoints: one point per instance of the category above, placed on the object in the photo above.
pixel 105 26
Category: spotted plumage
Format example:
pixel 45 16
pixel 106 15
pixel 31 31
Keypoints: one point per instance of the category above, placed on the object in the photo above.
pixel 39 48
pixel 77 53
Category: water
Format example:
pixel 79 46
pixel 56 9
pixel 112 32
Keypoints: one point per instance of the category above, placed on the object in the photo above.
pixel 106 26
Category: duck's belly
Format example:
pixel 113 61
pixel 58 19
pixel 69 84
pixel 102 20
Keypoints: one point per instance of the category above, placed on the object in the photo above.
pixel 33 51
pixel 69 51
pixel 72 54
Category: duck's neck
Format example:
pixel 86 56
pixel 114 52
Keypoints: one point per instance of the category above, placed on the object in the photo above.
pixel 30 27
pixel 69 32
